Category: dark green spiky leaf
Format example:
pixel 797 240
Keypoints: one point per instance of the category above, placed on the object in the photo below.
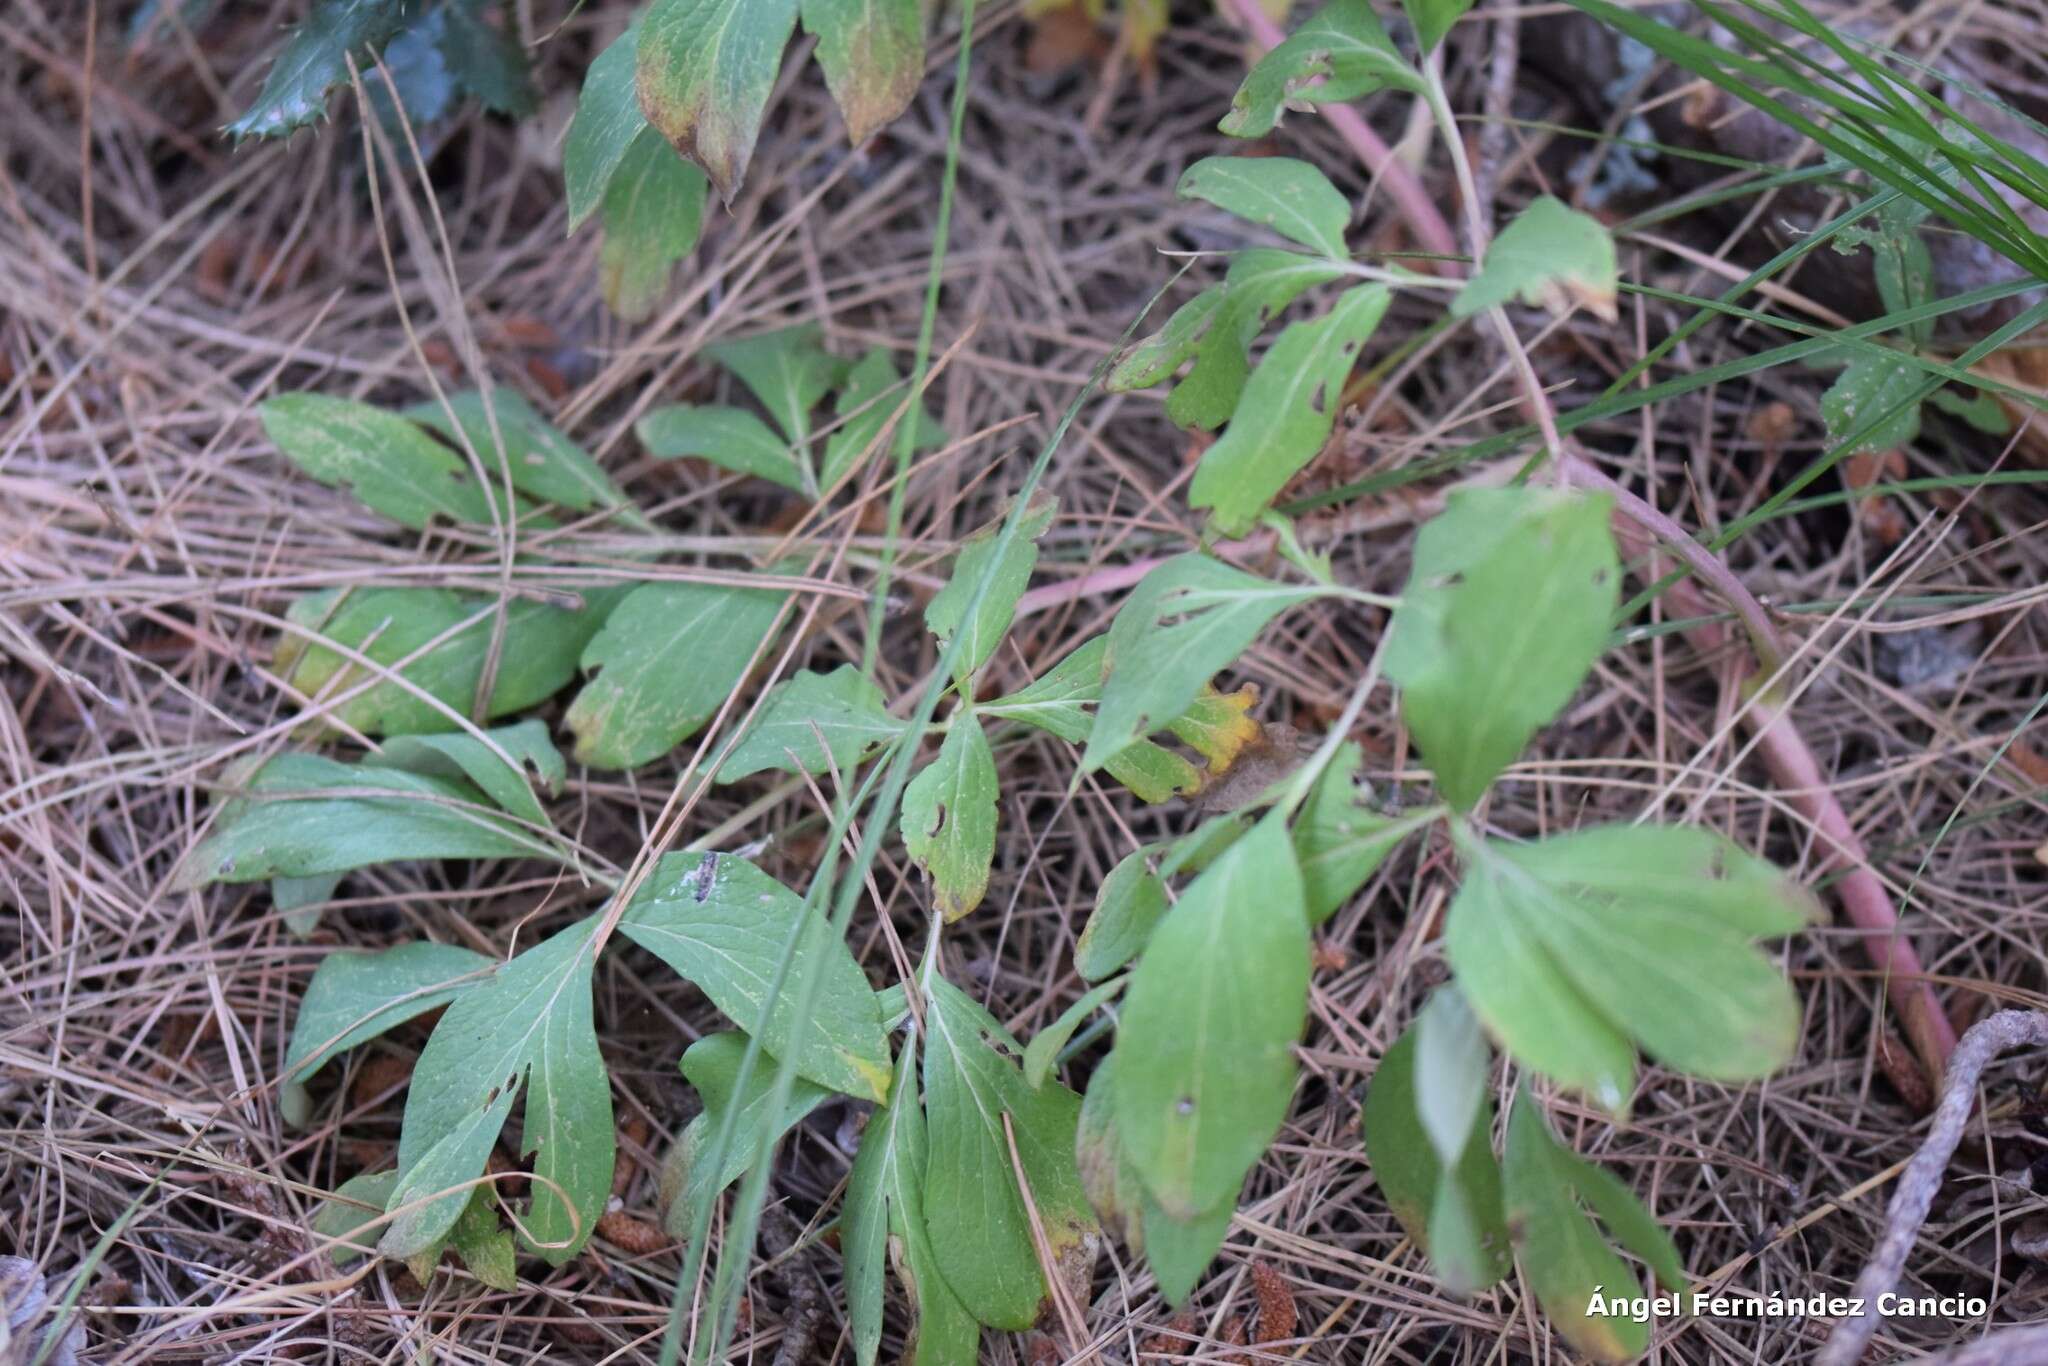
pixel 1260 283
pixel 1339 54
pixel 1156 357
pixel 787 369
pixel 689 1181
pixel 873 55
pixel 498 764
pixel 421 83
pixel 530 1024
pixel 1510 601
pixel 731 438
pixel 949 818
pixel 705 71
pixel 1188 619
pixel 1286 413
pixel 865 406
pixel 1872 381
pixel 1208 1028
pixel 486 60
pixel 975 1097
pixel 725 926
pixel 668 658
pixel 314 60
pixel 842 707
pixel 608 120
pixel 386 461
pixel 1339 839
pixel 1433 19
pixel 1058 704
pixel 653 213
pixel 1128 905
pixel 948 612
pixel 1551 255
pixel 1043 1052
pixel 1291 197
pixel 544 464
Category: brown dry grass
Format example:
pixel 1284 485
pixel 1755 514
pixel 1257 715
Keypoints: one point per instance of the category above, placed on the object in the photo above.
pixel 157 285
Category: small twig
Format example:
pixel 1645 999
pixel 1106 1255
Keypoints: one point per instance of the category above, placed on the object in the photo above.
pixel 1922 1178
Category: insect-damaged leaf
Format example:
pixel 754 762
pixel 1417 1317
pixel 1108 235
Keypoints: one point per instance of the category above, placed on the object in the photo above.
pixel 726 926
pixel 1510 601
pixel 653 213
pixel 981 554
pixel 530 1024
pixel 1286 413
pixel 949 817
pixel 873 55
pixel 1551 255
pixel 1260 283
pixel 667 659
pixel 1208 1027
pixel 1339 54
pixel 498 764
pixel 1291 197
pixel 705 71
pixel 842 709
pixel 979 1229
pixel 689 1179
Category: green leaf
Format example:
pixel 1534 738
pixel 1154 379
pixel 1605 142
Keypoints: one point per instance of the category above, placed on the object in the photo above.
pixel 726 926
pixel 980 1232
pixel 1180 1250
pixel 293 820
pixel 1207 1034
pixel 346 1218
pixel 1188 619
pixel 947 612
pixel 1457 1219
pixel 1058 703
pixel 1107 1176
pixel 498 769
pixel 1128 905
pixel 786 369
pixel 541 645
pixel 1511 599
pixel 1433 19
pixel 420 80
pixel 1341 53
pixel 1261 282
pixel 873 55
pixel 298 900
pixel 484 1244
pixel 1291 197
pixel 1339 839
pixel 1451 1067
pixel 1042 1053
pixel 354 997
pixel 689 1183
pixel 1872 382
pixel 1284 418
pixel 531 1024
pixel 1551 255
pixel 1680 868
pixel 949 818
pixel 490 65
pixel 314 60
pixel 545 465
pixel 668 658
pixel 608 120
pixel 864 406
pixel 1159 355
pixel 706 68
pixel 841 708
pixel 1981 411
pixel 731 438
pixel 388 462
pixel 653 213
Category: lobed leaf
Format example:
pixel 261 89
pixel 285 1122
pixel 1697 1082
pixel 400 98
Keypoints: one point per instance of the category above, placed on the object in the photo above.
pixel 1340 53
pixel 1158 356
pixel 813 723
pixel 1058 704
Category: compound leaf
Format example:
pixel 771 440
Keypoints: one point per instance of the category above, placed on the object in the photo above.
pixel 949 817
pixel 705 70
pixel 814 722
pixel 1291 197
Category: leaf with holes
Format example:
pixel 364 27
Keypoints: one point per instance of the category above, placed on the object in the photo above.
pixel 498 764
pixel 1341 53
pixel 730 438
pixel 953 610
pixel 543 463
pixel 1552 255
pixel 705 71
pixel 872 52
pixel 690 1180
pixel 814 723
pixel 1291 197
pixel 949 817
pixel 1260 283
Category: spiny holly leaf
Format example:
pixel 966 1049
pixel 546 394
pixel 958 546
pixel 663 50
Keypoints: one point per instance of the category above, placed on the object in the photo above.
pixel 1159 355
pixel 1043 1052
pixel 689 1181
pixel 1286 413
pixel 864 408
pixel 787 369
pixel 391 466
pixel 304 814
pixel 315 59
pixel 1260 283
pixel 608 121
pixel 1058 704
pixel 1291 197
pixel 1338 55
pixel 543 463
pixel 726 926
pixel 1208 1028
pixel 1510 601
pixel 421 84
pixel 668 658
pixel 842 708
pixel 530 1024
pixel 949 817
pixel 498 763
pixel 947 612
pixel 731 438
pixel 653 213
pixel 1339 839
pixel 706 68
pixel 873 55
pixel 975 1098
pixel 1551 255
pixel 1870 382
pixel 1188 619
pixel 1433 19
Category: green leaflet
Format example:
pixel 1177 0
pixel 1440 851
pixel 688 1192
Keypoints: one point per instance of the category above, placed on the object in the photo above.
pixel 1291 197
pixel 1130 902
pixel 608 120
pixel 864 407
pixel 1208 1028
pixel 979 1230
pixel 1510 601
pixel 531 1024
pixel 1285 415
pixel 298 900
pixel 1551 255
pixel 705 69
pixel 948 817
pixel 315 59
pixel 283 824
pixel 842 707
pixel 712 1065
pixel 1871 382
pixel 731 438
pixel 1189 618
pixel 884 1216
pixel 1260 283
pixel 1433 19
pixel 947 613
pixel 873 55
pixel 1043 1052
pixel 544 464
pixel 1057 703
pixel 1339 54
pixel 668 658
pixel 787 369
pixel 498 768
pixel 391 466
pixel 1339 839
pixel 653 213
pixel 1679 867
pixel 726 926
pixel 1451 1208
